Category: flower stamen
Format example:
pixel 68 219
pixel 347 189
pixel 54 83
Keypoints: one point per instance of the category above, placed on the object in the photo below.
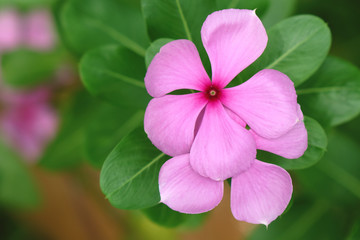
pixel 212 93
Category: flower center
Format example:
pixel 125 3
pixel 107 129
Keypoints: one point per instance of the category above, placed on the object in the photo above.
pixel 212 93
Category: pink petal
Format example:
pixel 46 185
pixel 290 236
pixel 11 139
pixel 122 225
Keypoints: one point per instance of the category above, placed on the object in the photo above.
pixel 233 39
pixel 10 29
pixel 170 121
pixel 222 148
pixel 260 194
pixel 176 66
pixel 39 30
pixel 183 190
pixel 235 117
pixel 291 145
pixel 266 102
pixel 300 113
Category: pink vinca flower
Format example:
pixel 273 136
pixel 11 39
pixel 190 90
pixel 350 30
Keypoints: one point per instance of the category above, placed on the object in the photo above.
pixel 28 122
pixel 206 132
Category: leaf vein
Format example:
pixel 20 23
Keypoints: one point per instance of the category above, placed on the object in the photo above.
pixel 288 52
pixel 124 78
pixel 127 42
pixel 157 158
pixel 126 127
pixel 186 27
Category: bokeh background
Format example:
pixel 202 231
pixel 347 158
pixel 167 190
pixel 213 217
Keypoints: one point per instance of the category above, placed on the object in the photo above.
pixel 38 202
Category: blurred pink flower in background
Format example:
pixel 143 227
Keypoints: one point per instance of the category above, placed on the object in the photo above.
pixel 10 29
pixel 27 120
pixel 33 30
pixel 39 30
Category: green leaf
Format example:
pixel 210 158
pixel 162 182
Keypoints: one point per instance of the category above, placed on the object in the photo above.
pixel 115 74
pixel 336 177
pixel 154 49
pixel 277 11
pixel 332 94
pixel 261 6
pixel 178 19
pixel 355 231
pixel 67 149
pixel 164 216
pixel 27 67
pixel 129 176
pixel 306 220
pixel 17 188
pixel 297 47
pixel 106 128
pixel 352 128
pixel 317 143
pixel 96 23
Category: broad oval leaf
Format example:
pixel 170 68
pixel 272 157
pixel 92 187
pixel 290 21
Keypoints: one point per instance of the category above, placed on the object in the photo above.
pixel 129 176
pixel 317 143
pixel 164 216
pixel 332 94
pixel 106 128
pixel 95 23
pixel 115 74
pixel 297 47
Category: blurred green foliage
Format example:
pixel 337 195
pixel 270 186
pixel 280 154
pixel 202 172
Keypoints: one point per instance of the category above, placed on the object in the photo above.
pixel 17 187
pixel 114 36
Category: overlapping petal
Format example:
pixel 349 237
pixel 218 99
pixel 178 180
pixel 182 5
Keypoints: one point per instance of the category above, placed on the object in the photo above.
pixel 267 103
pixel 222 148
pixel 170 121
pixel 233 39
pixel 183 190
pixel 291 145
pixel 176 66
pixel 260 194
pixel 235 117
